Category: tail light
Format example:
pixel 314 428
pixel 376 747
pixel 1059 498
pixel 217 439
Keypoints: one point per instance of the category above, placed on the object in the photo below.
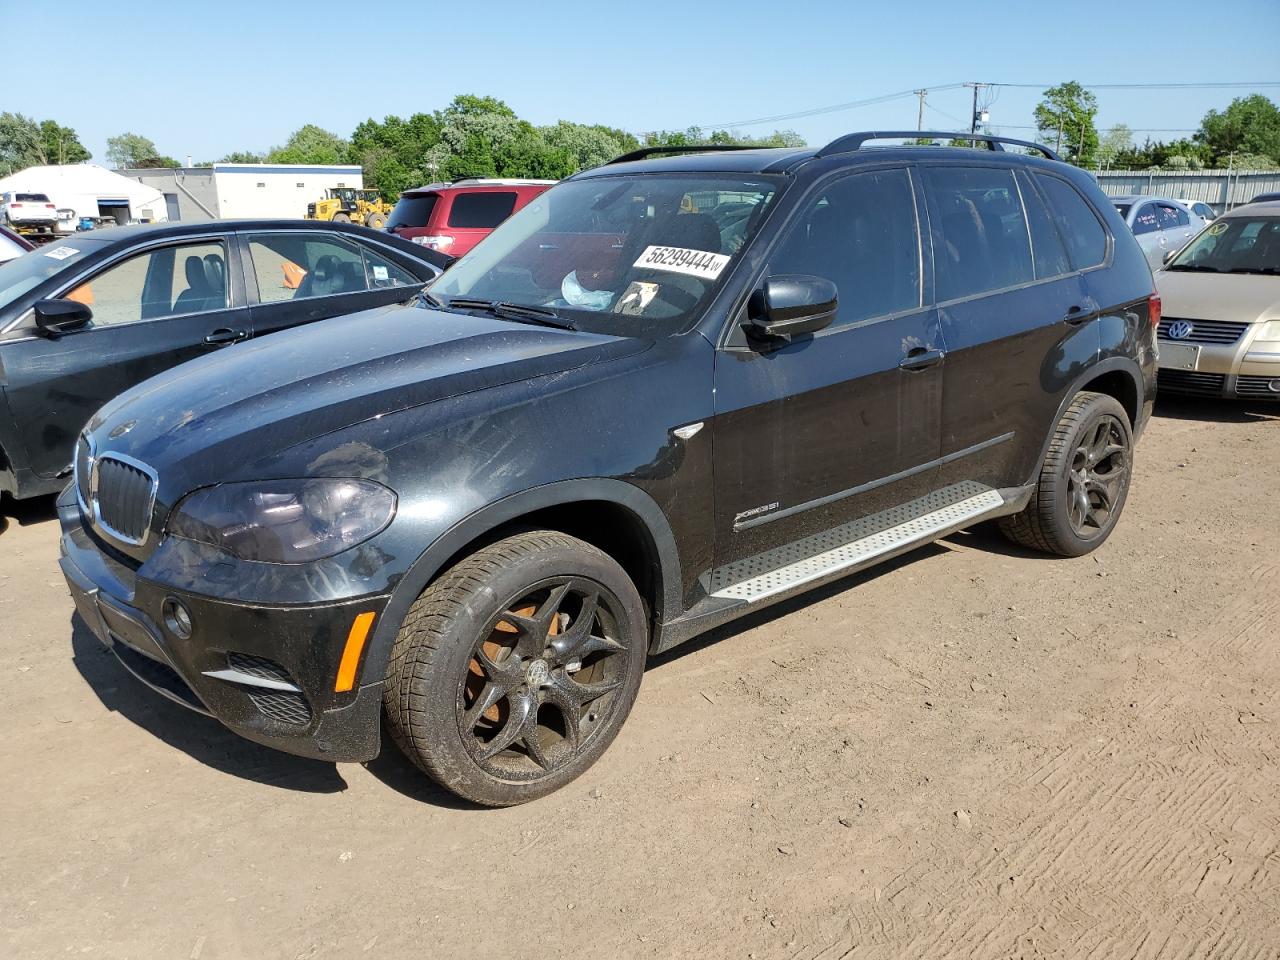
pixel 1153 310
pixel 437 242
pixel 50 206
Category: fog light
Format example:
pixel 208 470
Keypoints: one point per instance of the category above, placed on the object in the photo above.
pixel 177 618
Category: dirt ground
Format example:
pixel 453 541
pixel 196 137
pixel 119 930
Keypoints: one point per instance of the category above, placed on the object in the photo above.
pixel 975 752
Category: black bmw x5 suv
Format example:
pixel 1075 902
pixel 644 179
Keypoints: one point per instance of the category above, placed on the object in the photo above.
pixel 669 391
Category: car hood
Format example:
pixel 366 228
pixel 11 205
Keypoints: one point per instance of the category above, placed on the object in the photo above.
pixel 1234 297
pixel 200 421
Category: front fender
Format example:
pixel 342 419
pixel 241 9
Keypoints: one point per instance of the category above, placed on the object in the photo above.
pixel 489 518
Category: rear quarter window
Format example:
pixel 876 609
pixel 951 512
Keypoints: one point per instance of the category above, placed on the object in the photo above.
pixel 1086 239
pixel 483 210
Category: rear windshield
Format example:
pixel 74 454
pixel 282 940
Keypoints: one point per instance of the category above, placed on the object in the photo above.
pixel 10 248
pixel 413 210
pixel 27 272
pixel 485 210
pixel 30 198
pixel 1234 245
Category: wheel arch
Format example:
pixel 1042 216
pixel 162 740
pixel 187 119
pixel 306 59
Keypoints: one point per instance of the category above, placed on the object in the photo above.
pixel 1118 377
pixel 617 517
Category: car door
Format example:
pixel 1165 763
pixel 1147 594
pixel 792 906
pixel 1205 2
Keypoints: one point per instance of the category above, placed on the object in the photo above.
pixel 152 309
pixel 1175 229
pixel 822 429
pixel 1005 314
pixel 298 276
pixel 1145 222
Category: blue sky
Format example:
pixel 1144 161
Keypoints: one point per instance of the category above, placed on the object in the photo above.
pixel 203 79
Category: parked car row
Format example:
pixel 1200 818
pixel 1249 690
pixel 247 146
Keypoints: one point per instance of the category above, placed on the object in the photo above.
pixel 84 319
pixel 663 394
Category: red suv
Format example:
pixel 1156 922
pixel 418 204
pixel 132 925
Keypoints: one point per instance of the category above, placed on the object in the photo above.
pixel 454 217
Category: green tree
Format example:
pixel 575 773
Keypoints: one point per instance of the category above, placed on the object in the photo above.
pixel 26 143
pixel 60 144
pixel 1248 125
pixel 134 151
pixel 393 152
pixel 20 142
pixel 696 136
pixel 588 145
pixel 1064 117
pixel 1114 142
pixel 311 144
pixel 238 156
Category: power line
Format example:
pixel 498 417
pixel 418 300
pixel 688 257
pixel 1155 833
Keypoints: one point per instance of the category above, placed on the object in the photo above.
pixel 885 98
pixel 833 108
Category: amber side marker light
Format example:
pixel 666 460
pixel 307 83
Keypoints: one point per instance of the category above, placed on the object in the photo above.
pixel 351 652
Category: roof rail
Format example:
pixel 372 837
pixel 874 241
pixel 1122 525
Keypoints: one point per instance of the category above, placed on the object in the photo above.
pixel 646 152
pixel 854 141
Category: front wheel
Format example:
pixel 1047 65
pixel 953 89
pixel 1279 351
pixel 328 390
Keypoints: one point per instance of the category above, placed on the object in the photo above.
pixel 1083 482
pixel 375 221
pixel 514 671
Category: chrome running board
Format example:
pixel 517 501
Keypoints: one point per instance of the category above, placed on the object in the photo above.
pixel 855 544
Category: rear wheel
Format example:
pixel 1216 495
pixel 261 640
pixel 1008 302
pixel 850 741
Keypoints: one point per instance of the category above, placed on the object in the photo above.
pixel 515 670
pixel 375 221
pixel 1083 483
pixel 341 218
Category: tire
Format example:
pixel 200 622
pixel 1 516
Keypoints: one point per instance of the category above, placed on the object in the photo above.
pixel 1090 454
pixel 502 637
pixel 375 221
pixel 341 218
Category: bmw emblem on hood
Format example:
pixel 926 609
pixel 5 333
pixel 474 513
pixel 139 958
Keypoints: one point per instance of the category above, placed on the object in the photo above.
pixel 1180 330
pixel 121 430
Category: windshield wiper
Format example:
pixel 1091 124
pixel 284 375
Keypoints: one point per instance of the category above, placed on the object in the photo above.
pixel 1254 270
pixel 429 300
pixel 1193 266
pixel 517 312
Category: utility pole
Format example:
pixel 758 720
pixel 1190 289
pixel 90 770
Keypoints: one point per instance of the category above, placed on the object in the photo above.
pixel 1062 118
pixel 973 120
pixel 920 115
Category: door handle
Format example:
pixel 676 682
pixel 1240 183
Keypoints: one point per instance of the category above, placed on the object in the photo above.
pixel 224 335
pixel 920 358
pixel 1076 315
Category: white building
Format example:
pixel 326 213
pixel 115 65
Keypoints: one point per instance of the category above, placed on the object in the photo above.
pixel 243 189
pixel 90 191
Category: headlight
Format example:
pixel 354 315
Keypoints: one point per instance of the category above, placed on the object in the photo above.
pixel 285 521
pixel 1270 330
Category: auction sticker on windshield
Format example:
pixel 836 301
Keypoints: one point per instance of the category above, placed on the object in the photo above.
pixel 61 253
pixel 696 263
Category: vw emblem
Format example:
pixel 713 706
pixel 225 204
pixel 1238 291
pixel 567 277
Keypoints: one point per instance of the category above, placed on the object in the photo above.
pixel 121 430
pixel 1180 330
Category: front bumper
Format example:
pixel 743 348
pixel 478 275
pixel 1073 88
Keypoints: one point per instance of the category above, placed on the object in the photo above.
pixel 1245 369
pixel 267 673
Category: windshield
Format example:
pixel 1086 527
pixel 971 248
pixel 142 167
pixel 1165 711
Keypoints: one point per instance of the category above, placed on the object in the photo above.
pixel 1234 245
pixel 627 255
pixel 32 269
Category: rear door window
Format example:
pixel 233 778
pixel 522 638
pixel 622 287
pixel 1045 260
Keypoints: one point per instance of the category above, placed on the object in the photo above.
pixel 1146 220
pixel 296 266
pixel 1048 250
pixel 980 240
pixel 861 234
pixel 1172 216
pixel 1086 239
pixel 484 210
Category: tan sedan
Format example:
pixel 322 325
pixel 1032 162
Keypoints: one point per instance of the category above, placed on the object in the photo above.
pixel 1220 333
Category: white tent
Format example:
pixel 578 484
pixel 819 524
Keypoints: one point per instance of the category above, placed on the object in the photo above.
pixel 91 191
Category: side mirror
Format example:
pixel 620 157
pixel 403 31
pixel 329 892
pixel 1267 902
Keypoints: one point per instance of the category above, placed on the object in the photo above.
pixel 56 317
pixel 792 304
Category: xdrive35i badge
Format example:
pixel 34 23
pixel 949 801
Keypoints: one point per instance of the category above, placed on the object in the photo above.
pixel 755 512
pixel 122 429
